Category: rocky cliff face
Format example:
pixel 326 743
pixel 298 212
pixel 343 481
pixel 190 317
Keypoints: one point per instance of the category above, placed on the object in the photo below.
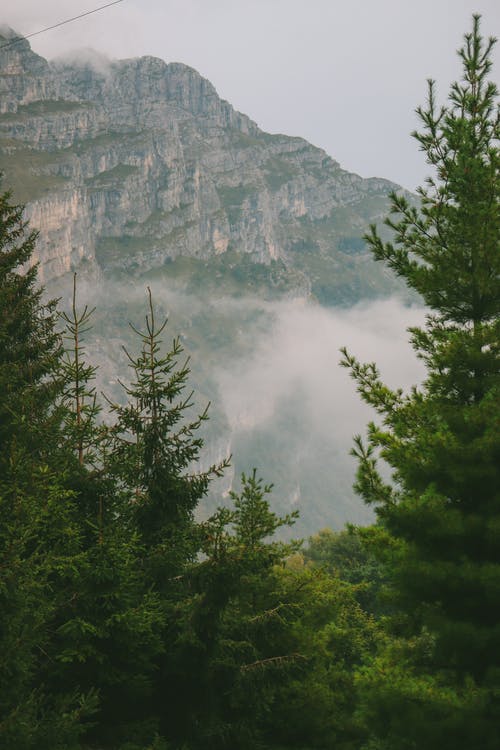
pixel 132 164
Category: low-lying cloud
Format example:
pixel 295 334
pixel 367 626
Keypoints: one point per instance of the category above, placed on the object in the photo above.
pixel 279 399
pixel 301 352
pixel 293 411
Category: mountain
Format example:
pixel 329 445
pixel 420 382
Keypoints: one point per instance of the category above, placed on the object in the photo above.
pixel 133 164
pixel 136 172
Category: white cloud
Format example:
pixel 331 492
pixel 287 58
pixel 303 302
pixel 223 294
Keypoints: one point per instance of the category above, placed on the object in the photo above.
pixel 301 353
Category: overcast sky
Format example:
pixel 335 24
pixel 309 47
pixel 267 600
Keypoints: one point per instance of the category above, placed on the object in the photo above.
pixel 347 75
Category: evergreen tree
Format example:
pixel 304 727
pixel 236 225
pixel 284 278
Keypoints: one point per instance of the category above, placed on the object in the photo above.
pixel 84 439
pixel 29 344
pixel 155 446
pixel 440 517
pixel 232 656
pixel 79 395
pixel 107 634
pixel 153 451
pixel 39 533
pixel 269 644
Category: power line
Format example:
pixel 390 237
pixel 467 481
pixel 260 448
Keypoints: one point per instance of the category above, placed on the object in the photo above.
pixel 56 25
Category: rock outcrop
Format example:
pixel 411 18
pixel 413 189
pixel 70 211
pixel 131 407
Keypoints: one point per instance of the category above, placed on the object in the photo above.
pixel 131 164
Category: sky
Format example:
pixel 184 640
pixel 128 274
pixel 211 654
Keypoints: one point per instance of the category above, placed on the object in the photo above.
pixel 346 75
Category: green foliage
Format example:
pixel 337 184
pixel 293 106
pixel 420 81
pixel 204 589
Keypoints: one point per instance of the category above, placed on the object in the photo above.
pixel 215 696
pixel 269 645
pixel 40 538
pixel 153 445
pixel 79 396
pixel 348 555
pixel 108 637
pixel 126 624
pixel 441 511
pixel 29 347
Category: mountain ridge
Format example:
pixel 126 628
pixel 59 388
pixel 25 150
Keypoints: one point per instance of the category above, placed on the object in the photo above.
pixel 131 164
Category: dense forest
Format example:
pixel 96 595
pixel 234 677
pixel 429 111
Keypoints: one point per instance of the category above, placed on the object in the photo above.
pixel 126 623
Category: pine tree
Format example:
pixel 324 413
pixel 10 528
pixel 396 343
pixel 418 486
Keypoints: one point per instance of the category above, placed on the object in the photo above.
pixel 79 396
pixel 39 534
pixel 107 629
pixel 156 446
pixel 230 662
pixel 269 644
pixel 29 344
pixel 440 517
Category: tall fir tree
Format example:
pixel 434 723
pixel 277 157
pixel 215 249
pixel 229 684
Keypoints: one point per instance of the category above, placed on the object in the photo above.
pixel 39 534
pixel 29 344
pixel 156 446
pixel 79 394
pixel 154 449
pixel 439 684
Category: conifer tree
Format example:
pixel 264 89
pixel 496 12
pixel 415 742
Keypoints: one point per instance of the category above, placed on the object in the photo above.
pixel 230 665
pixel 79 396
pixel 39 533
pixel 29 344
pixel 268 644
pixel 107 631
pixel 156 447
pixel 440 685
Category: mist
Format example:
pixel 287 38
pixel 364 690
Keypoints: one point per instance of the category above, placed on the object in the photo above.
pixel 301 352
pixel 279 400
pixel 86 57
pixel 293 410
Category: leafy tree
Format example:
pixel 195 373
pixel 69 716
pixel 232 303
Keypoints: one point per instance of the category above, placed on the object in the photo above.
pixel 438 685
pixel 314 705
pixel 347 555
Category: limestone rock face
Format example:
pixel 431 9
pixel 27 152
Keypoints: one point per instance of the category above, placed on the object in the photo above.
pixel 24 77
pixel 132 164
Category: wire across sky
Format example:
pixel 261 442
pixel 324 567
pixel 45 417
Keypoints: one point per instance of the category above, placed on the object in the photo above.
pixel 56 25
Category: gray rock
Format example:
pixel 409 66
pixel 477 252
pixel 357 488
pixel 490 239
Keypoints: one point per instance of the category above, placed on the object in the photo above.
pixel 126 165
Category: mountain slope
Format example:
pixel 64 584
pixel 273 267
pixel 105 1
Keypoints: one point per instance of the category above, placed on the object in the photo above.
pixel 129 165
